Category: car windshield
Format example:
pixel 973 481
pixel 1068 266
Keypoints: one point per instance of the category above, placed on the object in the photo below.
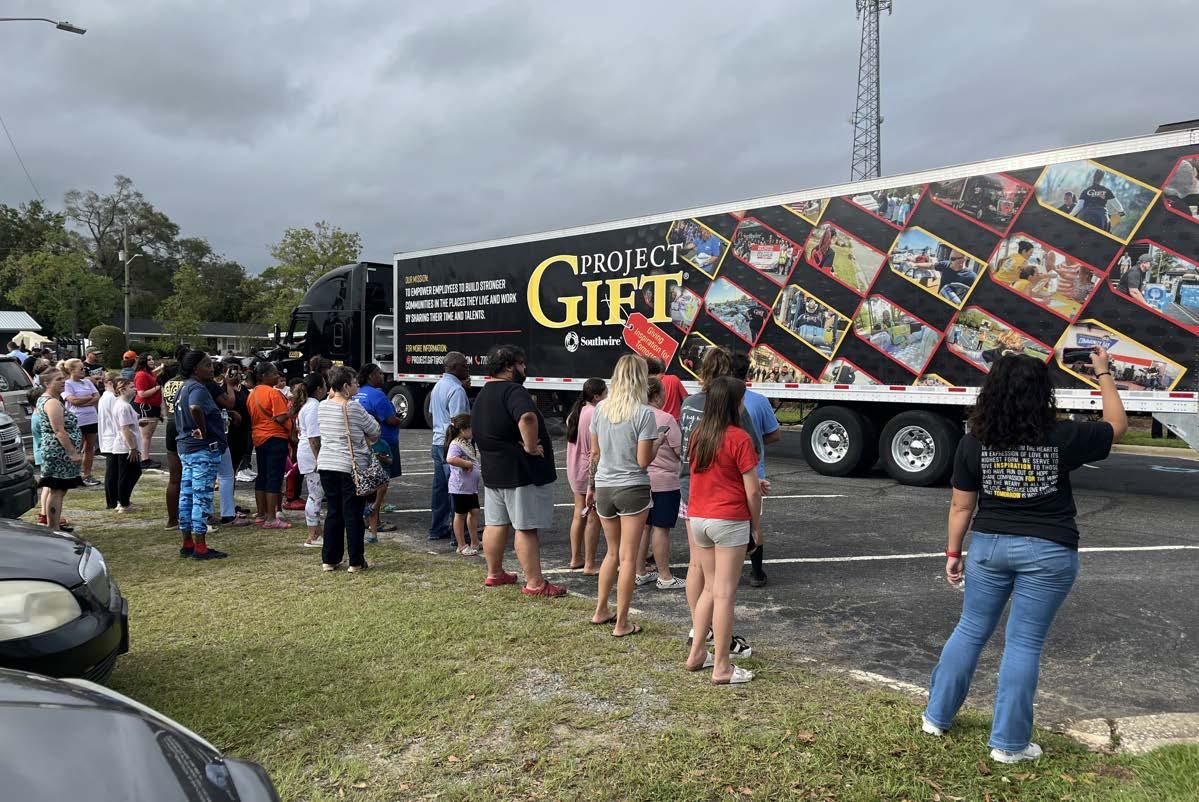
pixel 12 377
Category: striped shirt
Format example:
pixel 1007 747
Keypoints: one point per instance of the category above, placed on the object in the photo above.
pixel 335 450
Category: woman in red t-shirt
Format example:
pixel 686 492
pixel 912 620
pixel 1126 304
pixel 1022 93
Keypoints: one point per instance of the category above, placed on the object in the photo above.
pixel 147 400
pixel 723 513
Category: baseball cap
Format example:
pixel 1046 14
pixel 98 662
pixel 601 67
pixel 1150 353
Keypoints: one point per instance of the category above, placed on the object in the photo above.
pixel 93 350
pixel 129 355
pixel 1144 258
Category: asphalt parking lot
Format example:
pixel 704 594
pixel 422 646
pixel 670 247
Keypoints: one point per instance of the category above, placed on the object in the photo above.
pixel 856 579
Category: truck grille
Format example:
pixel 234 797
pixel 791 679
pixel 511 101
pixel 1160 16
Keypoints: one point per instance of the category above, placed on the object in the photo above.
pixel 11 447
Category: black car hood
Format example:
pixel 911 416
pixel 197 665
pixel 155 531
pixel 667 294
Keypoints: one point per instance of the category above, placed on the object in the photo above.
pixel 34 552
pixel 61 741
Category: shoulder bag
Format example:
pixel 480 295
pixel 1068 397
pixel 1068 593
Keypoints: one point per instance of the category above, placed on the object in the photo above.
pixel 369 479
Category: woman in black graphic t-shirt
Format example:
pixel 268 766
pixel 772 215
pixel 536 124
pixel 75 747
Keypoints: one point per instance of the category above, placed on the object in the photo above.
pixel 1012 475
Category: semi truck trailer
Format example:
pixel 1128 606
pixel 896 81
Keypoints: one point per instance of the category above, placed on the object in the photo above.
pixel 882 303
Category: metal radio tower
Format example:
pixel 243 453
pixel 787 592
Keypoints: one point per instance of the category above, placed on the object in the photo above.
pixel 867 119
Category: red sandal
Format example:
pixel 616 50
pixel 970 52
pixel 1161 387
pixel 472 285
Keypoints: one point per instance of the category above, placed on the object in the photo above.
pixel 504 578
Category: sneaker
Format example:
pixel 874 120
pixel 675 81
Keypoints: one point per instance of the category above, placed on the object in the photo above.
pixel 469 551
pixel 390 508
pixel 372 538
pixel 691 636
pixel 547 589
pixel 211 554
pixel 930 728
pixel 314 544
pixel 674 583
pixel 1030 752
pixel 130 508
pixel 739 648
pixel 90 482
pixel 186 551
pixel 646 578
pixel 757 578
pixel 327 567
pixel 357 569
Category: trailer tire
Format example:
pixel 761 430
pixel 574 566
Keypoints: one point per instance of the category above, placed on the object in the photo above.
pixel 917 447
pixel 404 401
pixel 839 441
pixel 428 407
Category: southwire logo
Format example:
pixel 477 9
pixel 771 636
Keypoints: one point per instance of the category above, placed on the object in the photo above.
pixel 573 342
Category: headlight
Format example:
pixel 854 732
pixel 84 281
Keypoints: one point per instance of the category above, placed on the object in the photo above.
pixel 29 607
pixel 94 572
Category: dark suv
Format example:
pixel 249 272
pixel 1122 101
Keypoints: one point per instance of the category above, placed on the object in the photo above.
pixel 18 491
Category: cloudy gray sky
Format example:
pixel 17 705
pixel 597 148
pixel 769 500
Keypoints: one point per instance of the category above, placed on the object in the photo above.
pixel 426 123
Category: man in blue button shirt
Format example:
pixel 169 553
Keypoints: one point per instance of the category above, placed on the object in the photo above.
pixel 764 420
pixel 447 400
pixel 376 403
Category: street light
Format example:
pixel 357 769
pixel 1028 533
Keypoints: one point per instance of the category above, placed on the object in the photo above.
pixel 62 25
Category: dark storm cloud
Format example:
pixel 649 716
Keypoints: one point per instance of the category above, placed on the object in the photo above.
pixel 420 124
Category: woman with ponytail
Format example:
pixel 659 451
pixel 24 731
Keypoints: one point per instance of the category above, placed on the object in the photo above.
pixel 584 527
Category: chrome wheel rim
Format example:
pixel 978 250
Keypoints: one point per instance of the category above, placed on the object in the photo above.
pixel 830 442
pixel 913 449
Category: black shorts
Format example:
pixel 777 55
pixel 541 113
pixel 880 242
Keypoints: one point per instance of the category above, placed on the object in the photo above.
pixel 271 457
pixel 172 436
pixel 465 502
pixel 665 512
pixel 89 428
pixel 148 412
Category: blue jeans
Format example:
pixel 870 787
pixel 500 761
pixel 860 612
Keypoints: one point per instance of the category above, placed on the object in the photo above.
pixel 1037 574
pixel 200 469
pixel 439 525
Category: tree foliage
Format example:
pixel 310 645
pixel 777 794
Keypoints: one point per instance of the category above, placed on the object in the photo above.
pixel 181 313
pixel 303 255
pixel 111 342
pixel 59 290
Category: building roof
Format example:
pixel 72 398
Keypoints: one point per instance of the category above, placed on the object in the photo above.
pixel 18 321
pixel 145 327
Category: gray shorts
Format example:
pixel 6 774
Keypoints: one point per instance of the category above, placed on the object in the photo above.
pixel 523 508
pixel 709 532
pixel 612 502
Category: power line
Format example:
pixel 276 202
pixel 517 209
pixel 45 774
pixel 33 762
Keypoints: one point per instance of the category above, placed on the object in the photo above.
pixel 20 161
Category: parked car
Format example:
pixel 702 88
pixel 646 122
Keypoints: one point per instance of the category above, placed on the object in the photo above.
pixel 61 613
pixel 14 393
pixel 73 739
pixel 18 490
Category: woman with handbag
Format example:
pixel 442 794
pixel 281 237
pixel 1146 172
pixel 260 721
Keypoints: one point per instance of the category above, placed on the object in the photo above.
pixel 349 471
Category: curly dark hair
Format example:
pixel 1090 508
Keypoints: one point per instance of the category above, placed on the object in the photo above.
pixel 1016 405
pixel 502 357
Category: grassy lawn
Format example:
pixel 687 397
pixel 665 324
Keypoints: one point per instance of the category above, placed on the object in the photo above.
pixel 413 682
pixel 1136 437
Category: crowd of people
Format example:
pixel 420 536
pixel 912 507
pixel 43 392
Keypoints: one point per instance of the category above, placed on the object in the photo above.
pixel 641 455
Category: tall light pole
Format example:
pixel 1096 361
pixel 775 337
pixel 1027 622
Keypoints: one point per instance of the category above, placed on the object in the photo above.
pixel 62 25
pixel 126 259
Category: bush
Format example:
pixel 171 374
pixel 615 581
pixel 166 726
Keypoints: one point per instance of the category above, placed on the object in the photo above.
pixel 111 342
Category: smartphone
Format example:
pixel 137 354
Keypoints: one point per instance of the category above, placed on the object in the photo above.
pixel 1077 354
pixel 663 430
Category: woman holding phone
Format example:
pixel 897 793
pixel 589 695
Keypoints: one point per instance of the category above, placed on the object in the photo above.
pixel 624 441
pixel 1011 475
pixel 724 514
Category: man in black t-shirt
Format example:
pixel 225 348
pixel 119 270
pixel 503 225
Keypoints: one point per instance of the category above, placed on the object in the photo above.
pixel 1094 201
pixel 518 471
pixel 1134 278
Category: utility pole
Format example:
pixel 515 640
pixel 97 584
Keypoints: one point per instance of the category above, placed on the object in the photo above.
pixel 126 259
pixel 867 118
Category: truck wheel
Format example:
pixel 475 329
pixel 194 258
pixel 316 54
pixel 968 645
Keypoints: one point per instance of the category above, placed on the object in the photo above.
pixel 917 447
pixel 404 402
pixel 838 441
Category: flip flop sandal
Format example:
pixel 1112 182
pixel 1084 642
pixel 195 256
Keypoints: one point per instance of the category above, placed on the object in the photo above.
pixel 607 620
pixel 635 630
pixel 740 677
pixel 709 661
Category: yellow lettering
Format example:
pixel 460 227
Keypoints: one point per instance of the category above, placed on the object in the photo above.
pixel 592 303
pixel 571 302
pixel 618 299
pixel 661 294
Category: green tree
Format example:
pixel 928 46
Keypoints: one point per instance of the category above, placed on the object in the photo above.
pixel 111 342
pixel 181 314
pixel 31 227
pixel 103 220
pixel 303 255
pixel 60 291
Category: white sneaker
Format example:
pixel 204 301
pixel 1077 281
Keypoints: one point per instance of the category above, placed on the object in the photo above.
pixel 930 728
pixel 645 579
pixel 674 583
pixel 1030 752
pixel 316 544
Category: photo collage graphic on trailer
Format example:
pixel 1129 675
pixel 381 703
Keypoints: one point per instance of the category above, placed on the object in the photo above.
pixel 928 284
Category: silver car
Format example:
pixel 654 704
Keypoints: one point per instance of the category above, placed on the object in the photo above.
pixel 14 392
